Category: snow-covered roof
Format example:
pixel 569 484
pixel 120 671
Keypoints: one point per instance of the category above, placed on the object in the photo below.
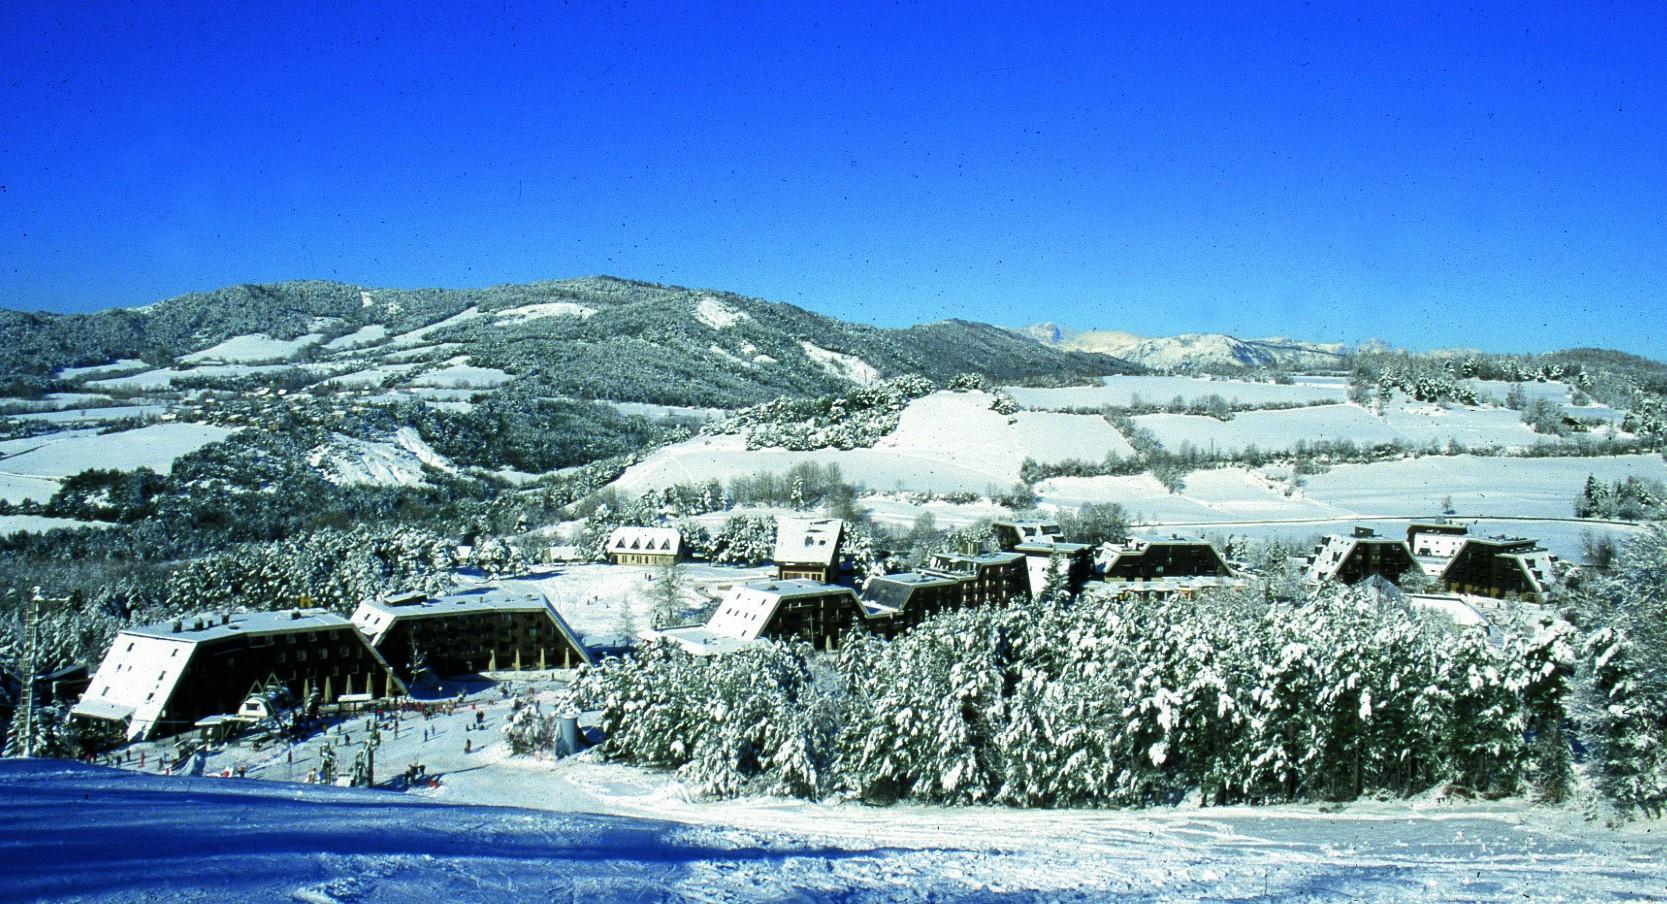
pixel 646 540
pixel 1450 605
pixel 375 618
pixel 218 625
pixel 698 639
pixel 808 541
pixel 1329 558
pixel 748 608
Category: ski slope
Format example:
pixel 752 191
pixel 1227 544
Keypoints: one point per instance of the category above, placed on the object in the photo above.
pixel 83 833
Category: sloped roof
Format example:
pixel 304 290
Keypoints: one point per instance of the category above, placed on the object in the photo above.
pixel 375 619
pixel 655 540
pixel 808 541
pixel 748 608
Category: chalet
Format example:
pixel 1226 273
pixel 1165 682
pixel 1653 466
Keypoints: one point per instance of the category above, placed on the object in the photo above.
pixel 491 630
pixel 816 613
pixel 1152 558
pixel 982 577
pixel 161 679
pixel 808 548
pixel 1502 566
pixel 644 546
pixel 1348 560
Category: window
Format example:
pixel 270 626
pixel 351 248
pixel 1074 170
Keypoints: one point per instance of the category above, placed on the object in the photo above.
pixel 174 653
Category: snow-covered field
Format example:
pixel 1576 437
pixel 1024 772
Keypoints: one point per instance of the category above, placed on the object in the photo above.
pixel 460 374
pixel 11 524
pixel 251 349
pixel 31 468
pixel 498 828
pixel 1529 487
pixel 944 442
pixel 1415 423
pixel 94 415
pixel 1125 390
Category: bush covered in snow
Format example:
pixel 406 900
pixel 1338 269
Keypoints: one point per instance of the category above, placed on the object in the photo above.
pixel 851 420
pixel 1107 702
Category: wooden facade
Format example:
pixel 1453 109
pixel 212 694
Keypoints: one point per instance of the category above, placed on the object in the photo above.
pixel 1143 559
pixel 1349 560
pixel 471 632
pixel 1500 567
pixel 161 679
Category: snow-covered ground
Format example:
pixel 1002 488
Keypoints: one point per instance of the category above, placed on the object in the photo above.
pixel 165 377
pixel 251 349
pixel 417 336
pixel 718 315
pixel 547 309
pixel 398 461
pixel 1527 487
pixel 75 373
pixel 365 335
pixel 94 415
pixel 460 374
pixel 1419 424
pixel 495 827
pixel 606 605
pixel 847 367
pixel 11 524
pixel 945 442
pixel 1125 390
pixel 31 468
pixel 662 412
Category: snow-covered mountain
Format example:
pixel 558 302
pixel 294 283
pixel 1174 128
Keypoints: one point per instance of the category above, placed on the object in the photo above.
pixel 1193 351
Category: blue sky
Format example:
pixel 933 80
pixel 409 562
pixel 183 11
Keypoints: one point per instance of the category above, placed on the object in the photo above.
pixel 1434 177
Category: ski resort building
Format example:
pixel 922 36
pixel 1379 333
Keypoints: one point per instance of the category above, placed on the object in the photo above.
pixel 1436 539
pixel 982 577
pixel 1348 560
pixel 818 614
pixel 161 679
pixel 644 546
pixel 1502 566
pixel 808 548
pixel 1039 542
pixel 821 614
pixel 492 630
pixel 1152 558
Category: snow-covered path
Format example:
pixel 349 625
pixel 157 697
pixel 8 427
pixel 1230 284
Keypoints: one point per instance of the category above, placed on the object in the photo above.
pixel 71 832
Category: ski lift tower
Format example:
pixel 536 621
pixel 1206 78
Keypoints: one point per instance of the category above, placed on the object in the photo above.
pixel 30 667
